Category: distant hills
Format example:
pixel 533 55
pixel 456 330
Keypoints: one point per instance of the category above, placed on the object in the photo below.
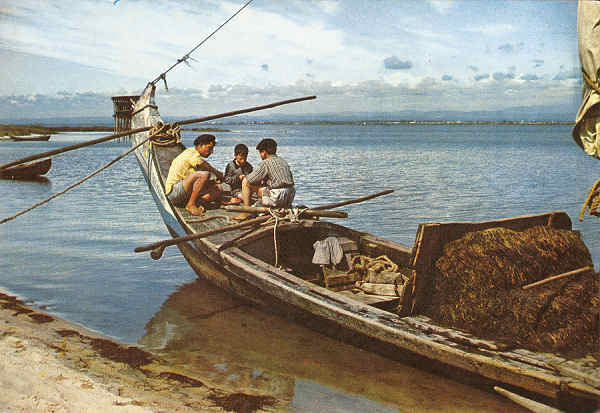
pixel 554 113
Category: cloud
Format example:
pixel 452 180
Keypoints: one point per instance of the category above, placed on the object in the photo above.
pixel 538 62
pixel 501 76
pixel 441 6
pixel 530 77
pixel 427 93
pixel 265 67
pixel 492 29
pixel 328 6
pixel 511 48
pixel 446 78
pixel 573 73
pixel 393 63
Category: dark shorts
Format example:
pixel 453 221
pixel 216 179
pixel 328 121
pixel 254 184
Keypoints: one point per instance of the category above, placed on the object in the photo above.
pixel 178 196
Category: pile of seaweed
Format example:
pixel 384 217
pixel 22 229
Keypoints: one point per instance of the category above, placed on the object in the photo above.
pixel 478 289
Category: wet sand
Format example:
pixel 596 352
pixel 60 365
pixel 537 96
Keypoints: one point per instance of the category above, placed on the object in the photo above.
pixel 49 365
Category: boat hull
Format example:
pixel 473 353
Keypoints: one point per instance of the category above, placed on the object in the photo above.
pixel 26 171
pixel 249 273
pixel 30 138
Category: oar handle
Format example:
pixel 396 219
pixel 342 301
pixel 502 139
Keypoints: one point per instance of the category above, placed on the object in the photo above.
pixel 138 130
pixel 72 147
pixel 354 201
pixel 175 241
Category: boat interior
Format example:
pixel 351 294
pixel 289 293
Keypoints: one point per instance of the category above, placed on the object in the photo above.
pixel 405 272
pixel 292 248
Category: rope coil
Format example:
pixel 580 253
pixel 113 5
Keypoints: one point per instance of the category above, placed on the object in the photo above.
pixel 165 134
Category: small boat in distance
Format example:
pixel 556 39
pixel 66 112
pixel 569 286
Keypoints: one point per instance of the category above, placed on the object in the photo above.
pixel 31 138
pixel 30 170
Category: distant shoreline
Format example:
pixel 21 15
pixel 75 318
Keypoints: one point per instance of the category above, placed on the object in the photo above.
pixel 20 130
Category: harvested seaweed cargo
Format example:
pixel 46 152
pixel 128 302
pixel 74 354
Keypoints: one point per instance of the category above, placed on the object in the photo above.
pixel 478 289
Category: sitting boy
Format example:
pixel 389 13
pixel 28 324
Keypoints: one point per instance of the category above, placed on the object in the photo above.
pixel 189 177
pixel 272 180
pixel 235 171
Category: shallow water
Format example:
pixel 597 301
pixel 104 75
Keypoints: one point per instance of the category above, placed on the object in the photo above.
pixel 74 256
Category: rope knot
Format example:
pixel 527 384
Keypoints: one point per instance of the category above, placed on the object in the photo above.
pixel 165 134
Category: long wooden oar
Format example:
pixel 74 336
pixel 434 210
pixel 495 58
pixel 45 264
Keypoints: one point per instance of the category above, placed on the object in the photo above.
pixel 145 128
pixel 315 212
pixel 532 405
pixel 354 201
pixel 158 247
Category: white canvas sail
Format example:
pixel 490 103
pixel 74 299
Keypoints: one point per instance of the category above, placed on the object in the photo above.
pixel 587 124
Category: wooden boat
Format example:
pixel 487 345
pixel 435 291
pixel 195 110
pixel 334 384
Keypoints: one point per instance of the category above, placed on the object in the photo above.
pixel 30 138
pixel 243 262
pixel 30 170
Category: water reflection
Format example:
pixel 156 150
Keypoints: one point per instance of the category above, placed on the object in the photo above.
pixel 35 179
pixel 207 334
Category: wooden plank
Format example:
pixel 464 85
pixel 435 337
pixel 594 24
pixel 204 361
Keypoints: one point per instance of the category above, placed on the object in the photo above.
pixel 429 250
pixel 529 404
pixel 370 299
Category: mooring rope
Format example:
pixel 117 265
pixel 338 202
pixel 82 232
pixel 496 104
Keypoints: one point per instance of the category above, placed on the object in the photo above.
pixel 96 172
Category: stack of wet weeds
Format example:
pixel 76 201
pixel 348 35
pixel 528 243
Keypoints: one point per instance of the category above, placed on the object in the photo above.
pixel 478 289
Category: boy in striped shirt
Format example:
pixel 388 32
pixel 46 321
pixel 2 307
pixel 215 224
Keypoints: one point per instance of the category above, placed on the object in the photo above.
pixel 272 180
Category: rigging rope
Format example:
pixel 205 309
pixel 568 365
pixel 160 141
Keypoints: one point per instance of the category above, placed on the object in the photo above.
pixel 160 134
pixel 186 56
pixel 75 184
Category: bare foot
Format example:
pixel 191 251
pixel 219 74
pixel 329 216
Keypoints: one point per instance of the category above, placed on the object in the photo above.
pixel 233 201
pixel 195 210
pixel 242 216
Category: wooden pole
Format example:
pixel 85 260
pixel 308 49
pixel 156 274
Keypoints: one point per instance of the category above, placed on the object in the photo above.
pixel 532 405
pixel 311 211
pixel 354 201
pixel 159 246
pixel 559 276
pixel 138 130
pixel 165 243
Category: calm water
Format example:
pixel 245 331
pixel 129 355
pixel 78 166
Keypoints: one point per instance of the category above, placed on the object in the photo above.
pixel 74 256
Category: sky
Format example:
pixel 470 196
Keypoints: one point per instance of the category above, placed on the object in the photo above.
pixel 67 58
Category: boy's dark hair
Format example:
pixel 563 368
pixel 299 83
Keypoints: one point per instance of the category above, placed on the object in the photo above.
pixel 268 145
pixel 204 139
pixel 240 148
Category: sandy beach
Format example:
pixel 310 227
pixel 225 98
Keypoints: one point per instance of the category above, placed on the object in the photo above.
pixel 49 365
